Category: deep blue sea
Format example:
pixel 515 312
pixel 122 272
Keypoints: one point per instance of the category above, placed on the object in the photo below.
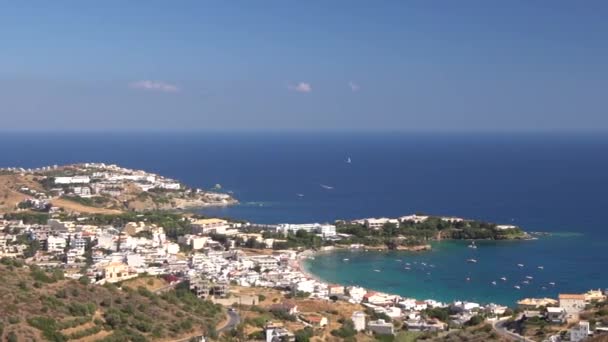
pixel 544 182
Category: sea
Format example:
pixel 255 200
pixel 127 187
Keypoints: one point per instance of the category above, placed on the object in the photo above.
pixel 544 182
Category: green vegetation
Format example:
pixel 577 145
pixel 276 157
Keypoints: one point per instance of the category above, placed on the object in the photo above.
pixel 174 224
pixel 28 217
pixel 346 331
pixel 411 233
pixel 37 300
pixel 304 335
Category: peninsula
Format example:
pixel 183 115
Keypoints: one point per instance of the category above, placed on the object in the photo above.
pixel 99 188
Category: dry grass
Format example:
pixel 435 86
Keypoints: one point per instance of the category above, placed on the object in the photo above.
pixel 9 194
pixel 71 206
pixel 150 283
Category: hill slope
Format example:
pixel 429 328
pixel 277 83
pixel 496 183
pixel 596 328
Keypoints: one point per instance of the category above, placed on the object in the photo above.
pixel 37 305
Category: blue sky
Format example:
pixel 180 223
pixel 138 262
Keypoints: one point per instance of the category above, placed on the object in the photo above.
pixel 306 65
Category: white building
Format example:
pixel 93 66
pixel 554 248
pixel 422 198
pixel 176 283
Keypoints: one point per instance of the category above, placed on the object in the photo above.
pixel 381 327
pixel 358 319
pixel 580 331
pixel 82 191
pixel 210 225
pixel 135 261
pixel 378 223
pixel 452 219
pixel 78 243
pixel 169 186
pixel 266 263
pixel 55 244
pixel 413 218
pixel 196 242
pixel 572 303
pixel 171 248
pixel 505 226
pixel 106 241
pixel 327 230
pixel 73 180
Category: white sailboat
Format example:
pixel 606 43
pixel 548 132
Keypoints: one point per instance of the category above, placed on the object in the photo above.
pixel 348 160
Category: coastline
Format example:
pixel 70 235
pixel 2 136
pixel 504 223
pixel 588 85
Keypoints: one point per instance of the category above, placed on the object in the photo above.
pixel 303 256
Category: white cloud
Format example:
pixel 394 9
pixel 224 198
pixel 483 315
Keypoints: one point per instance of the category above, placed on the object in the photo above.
pixel 301 87
pixel 353 86
pixel 155 86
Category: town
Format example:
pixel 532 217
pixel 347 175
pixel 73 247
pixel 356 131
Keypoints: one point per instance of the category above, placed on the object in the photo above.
pixel 99 188
pixel 255 271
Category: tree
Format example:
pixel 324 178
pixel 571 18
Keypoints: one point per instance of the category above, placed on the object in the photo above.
pixel 304 335
pixel 12 337
pixel 475 320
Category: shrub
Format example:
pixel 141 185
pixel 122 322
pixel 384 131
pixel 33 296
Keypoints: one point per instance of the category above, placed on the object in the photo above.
pixel 83 333
pixel 48 326
pixel 304 335
pixel 347 330
pixel 257 335
pixel 144 292
pixel 475 320
pixel 84 280
pixel 12 337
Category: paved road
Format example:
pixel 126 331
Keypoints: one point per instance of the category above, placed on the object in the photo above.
pixel 233 319
pixel 500 328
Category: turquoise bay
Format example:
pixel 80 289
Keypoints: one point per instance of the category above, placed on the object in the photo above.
pixel 444 273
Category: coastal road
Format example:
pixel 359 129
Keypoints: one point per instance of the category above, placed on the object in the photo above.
pixel 233 320
pixel 499 326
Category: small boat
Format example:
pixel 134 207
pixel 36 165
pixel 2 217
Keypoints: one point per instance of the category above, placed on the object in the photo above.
pixel 541 267
pixel 423 263
pixel 348 160
pixel 520 265
pixel 529 277
pixel 472 245
pixel 376 270
pixel 300 195
pixel 494 282
pixel 503 278
pixel 407 268
pixel 431 265
pixel 398 260
pixel 525 282
pixel 327 187
pixel 345 259
pixel 407 263
pixel 543 288
pixel 517 287
pixel 473 261
pixel 311 258
pixel 552 283
pixel 468 279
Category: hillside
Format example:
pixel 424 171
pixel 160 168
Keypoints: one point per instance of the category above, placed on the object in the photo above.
pixel 37 305
pixel 97 188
